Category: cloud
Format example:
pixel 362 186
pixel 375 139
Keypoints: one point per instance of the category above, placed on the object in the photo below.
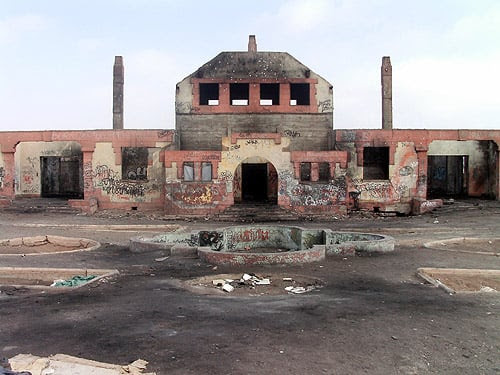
pixel 13 27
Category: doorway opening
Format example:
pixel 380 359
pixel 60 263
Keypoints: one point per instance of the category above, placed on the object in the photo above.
pixel 257 183
pixel 447 176
pixel 62 177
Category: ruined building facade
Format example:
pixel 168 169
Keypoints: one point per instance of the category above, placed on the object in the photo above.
pixel 251 127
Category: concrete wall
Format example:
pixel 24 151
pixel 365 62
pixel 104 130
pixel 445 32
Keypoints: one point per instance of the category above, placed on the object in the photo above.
pixel 481 155
pixel 111 188
pixel 27 159
pixel 205 132
pixel 202 127
pixel 2 172
pixel 166 189
pixel 210 197
pixel 253 68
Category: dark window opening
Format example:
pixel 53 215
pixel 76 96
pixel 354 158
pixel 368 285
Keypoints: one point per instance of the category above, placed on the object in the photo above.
pixel 305 171
pixel 134 163
pixel 269 94
pixel 188 171
pixel 299 94
pixel 324 172
pixel 239 93
pixel 206 171
pixel 209 93
pixel 376 163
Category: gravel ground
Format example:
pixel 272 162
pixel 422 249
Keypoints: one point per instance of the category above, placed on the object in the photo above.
pixel 371 316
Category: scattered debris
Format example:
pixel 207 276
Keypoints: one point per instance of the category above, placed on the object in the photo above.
pixel 161 259
pixel 218 282
pixel 227 288
pixel 287 279
pixel 262 282
pixel 487 289
pixel 74 281
pixel 246 280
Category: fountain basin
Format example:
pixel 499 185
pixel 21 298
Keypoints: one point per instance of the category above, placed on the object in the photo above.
pixel 265 244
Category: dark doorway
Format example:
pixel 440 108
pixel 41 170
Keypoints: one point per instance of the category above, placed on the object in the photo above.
pixel 254 182
pixel 61 176
pixel 447 176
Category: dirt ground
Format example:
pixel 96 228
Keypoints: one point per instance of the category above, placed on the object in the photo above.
pixel 372 315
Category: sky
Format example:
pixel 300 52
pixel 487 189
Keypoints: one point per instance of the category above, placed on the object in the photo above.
pixel 56 57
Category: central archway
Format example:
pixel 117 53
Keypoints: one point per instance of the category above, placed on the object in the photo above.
pixel 255 181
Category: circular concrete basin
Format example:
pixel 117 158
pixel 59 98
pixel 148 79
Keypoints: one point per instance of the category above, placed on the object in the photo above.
pixel 264 244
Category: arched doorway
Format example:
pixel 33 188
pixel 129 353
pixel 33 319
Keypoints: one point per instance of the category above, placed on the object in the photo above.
pixel 255 181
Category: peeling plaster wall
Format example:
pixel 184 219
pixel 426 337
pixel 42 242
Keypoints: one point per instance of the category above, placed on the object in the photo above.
pixel 393 194
pixel 27 161
pixel 108 183
pixel 481 156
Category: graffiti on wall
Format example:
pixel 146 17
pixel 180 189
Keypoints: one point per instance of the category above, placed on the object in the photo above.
pixel 248 235
pixel 215 240
pixel 406 171
pixel 195 194
pixel 109 181
pixel 291 133
pixel 2 176
pixel 325 105
pixel 381 190
pixel 29 176
pixel 312 194
pixel 226 176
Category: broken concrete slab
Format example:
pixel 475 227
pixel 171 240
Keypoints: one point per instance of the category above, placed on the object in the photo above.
pixel 61 364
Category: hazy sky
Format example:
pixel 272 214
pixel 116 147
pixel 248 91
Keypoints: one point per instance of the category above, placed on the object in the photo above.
pixel 56 57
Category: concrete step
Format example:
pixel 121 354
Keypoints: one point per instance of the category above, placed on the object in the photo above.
pixel 256 212
pixel 35 205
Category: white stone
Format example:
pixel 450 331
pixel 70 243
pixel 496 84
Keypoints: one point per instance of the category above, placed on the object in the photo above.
pixel 263 282
pixel 227 288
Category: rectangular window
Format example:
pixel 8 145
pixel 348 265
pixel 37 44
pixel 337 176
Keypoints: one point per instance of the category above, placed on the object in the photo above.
pixel 324 172
pixel 209 93
pixel 376 163
pixel 206 171
pixel 269 94
pixel 239 93
pixel 305 171
pixel 299 94
pixel 134 163
pixel 188 171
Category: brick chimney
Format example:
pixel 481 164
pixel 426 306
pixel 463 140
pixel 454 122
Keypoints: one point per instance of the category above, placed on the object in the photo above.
pixel 118 80
pixel 252 44
pixel 386 80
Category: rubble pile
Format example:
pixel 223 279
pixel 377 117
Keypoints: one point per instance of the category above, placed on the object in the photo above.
pixel 252 281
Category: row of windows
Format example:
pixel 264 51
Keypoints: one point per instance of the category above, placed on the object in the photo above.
pixel 239 93
pixel 375 166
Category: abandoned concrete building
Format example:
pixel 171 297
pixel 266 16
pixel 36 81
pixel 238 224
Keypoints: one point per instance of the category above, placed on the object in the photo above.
pixel 251 127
